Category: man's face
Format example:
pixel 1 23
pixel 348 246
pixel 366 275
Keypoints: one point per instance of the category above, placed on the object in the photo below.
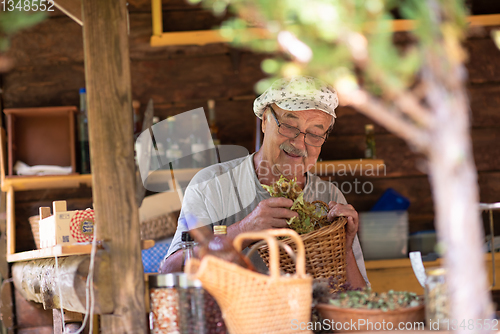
pixel 292 156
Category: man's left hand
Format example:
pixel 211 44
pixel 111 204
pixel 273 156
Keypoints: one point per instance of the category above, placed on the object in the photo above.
pixel 345 210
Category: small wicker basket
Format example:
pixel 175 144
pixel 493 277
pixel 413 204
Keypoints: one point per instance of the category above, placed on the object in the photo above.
pixel 325 252
pixel 252 302
pixel 34 222
pixel 159 227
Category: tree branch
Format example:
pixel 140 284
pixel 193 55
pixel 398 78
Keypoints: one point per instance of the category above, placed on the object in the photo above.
pixel 374 109
pixel 408 104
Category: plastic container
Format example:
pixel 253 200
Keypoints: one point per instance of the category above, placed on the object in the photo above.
pixel 384 235
pixel 423 241
pixel 391 200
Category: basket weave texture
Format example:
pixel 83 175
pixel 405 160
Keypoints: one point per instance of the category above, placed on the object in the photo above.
pixel 34 222
pixel 160 227
pixel 252 302
pixel 325 252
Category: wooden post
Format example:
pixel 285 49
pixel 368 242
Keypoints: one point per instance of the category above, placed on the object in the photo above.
pixel 107 73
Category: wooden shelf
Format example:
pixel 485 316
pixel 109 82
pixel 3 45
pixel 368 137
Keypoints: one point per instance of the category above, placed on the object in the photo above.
pixel 19 183
pixel 61 250
pixel 397 274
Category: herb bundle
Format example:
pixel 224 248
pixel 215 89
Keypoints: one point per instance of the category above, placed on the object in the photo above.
pixel 312 216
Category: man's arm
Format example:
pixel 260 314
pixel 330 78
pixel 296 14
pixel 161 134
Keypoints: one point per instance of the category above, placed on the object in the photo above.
pixel 269 213
pixel 171 264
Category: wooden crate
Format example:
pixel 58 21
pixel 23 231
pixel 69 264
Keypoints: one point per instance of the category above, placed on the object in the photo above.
pixel 41 136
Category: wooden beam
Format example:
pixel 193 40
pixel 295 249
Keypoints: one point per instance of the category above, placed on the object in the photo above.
pixel 72 8
pixel 7 304
pixel 39 281
pixel 109 97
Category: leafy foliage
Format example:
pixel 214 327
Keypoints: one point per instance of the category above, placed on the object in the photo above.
pixel 13 21
pixel 311 217
pixel 351 40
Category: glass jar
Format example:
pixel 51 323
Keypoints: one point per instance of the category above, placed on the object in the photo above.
pixel 436 300
pixel 164 300
pixel 213 316
pixel 191 306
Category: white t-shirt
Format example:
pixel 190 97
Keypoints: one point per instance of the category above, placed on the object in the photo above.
pixel 225 193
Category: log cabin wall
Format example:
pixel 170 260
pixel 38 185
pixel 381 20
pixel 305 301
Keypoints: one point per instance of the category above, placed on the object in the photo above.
pixel 49 72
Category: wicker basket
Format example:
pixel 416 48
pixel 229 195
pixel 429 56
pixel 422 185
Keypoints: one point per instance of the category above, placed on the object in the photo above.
pixel 252 302
pixel 325 252
pixel 370 320
pixel 34 222
pixel 160 227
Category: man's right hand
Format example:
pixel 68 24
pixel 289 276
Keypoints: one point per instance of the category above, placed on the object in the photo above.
pixel 270 213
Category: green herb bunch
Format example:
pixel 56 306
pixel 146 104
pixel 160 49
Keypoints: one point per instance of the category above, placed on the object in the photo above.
pixel 366 299
pixel 311 216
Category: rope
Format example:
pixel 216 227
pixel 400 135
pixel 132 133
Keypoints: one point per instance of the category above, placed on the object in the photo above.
pixel 89 292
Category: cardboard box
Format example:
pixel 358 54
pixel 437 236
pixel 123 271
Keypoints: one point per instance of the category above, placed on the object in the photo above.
pixel 65 227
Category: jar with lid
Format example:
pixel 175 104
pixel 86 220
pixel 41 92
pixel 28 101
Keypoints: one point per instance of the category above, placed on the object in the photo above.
pixel 164 299
pixel 436 300
pixel 191 306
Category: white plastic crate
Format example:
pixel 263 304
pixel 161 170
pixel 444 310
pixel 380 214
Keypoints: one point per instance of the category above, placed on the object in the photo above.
pixel 384 234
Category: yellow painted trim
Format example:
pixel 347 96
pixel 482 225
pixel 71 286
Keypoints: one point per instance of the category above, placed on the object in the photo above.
pixel 198 37
pixel 484 20
pixel 202 37
pixel 157 18
pixel 11 222
pixel 45 182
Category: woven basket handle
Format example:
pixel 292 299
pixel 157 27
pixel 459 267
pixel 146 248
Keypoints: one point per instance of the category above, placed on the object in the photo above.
pixel 274 255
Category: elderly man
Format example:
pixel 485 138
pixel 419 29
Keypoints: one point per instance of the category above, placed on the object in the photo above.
pixel 297 115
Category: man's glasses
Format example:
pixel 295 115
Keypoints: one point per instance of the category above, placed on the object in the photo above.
pixel 292 132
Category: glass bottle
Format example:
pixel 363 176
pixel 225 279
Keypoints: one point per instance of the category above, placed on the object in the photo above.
pixel 370 152
pixel 218 245
pixel 436 300
pixel 187 248
pixel 156 151
pixel 137 118
pixel 173 152
pixel 83 134
pixel 198 145
pixel 214 131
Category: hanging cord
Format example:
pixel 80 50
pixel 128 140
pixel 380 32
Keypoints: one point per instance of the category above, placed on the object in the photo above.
pixel 89 291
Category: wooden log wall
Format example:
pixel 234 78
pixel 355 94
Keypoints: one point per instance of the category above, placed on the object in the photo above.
pixel 49 71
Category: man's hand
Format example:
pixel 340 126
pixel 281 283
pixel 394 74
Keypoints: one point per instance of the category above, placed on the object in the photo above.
pixel 345 210
pixel 270 213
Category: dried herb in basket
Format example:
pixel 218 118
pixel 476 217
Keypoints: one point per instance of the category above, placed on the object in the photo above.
pixel 312 216
pixel 366 299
